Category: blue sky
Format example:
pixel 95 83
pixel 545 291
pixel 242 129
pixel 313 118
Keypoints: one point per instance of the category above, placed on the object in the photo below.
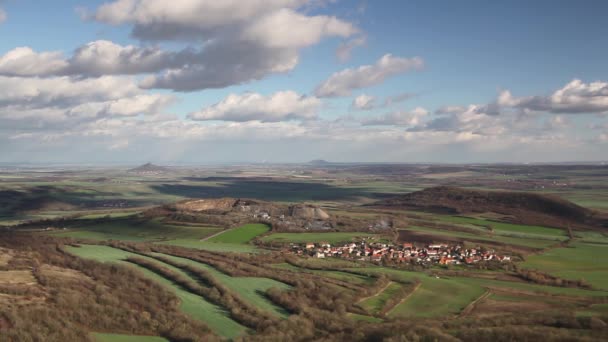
pixel 289 88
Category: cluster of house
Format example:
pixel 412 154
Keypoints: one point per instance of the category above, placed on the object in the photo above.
pixel 442 254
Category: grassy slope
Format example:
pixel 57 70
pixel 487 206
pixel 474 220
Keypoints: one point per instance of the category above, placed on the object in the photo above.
pixel 579 261
pixel 331 237
pixel 445 296
pixel 99 337
pixel 214 247
pixel 251 289
pixel 525 242
pixel 195 306
pixel 233 240
pixel 241 235
pixel 375 303
pixel 505 227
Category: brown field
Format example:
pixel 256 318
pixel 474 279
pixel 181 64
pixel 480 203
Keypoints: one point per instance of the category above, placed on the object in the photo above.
pixel 21 277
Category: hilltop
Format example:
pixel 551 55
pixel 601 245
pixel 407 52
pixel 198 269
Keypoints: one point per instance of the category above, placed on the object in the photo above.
pixel 519 207
pixel 149 168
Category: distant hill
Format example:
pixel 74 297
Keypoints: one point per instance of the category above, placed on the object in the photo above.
pixel 149 167
pixel 520 207
pixel 319 162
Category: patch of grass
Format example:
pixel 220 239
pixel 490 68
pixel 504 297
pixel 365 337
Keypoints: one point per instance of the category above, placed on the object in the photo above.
pixel 331 237
pixel 195 306
pixel 433 298
pixel 505 227
pixel 375 303
pixel 99 337
pixel 240 235
pixel 252 289
pixel 364 318
pixel 211 246
pixel 530 288
pixel 578 261
pixel 524 242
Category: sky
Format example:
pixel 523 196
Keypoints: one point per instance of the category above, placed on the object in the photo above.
pixel 202 81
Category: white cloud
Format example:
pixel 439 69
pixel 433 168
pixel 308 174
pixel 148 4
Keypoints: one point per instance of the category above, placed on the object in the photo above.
pixel 104 57
pixel 288 29
pixel 39 100
pixel 344 51
pixel 280 106
pixel 411 118
pixel 363 102
pixel 23 61
pixel 342 83
pixel 575 97
pixel 239 41
pixel 2 15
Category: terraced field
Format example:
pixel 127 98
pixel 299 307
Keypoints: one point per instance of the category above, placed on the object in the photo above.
pixel 251 289
pixel 376 303
pixel 195 306
pixel 437 297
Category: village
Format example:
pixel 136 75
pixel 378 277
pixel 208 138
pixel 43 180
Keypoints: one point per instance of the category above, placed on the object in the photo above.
pixel 366 250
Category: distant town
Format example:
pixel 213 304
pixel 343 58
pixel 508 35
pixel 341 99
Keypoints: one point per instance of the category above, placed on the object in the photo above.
pixel 442 254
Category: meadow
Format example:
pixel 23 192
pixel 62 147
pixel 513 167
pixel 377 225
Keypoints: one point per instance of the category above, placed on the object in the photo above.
pixel 252 289
pixel 576 261
pixel 240 235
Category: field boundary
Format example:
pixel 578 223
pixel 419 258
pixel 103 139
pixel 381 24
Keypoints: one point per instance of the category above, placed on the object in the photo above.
pixel 388 313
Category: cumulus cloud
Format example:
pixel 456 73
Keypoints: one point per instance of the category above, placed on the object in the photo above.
pixel 23 61
pixel 399 118
pixel 237 41
pixel 363 102
pixel 97 58
pixel 575 97
pixel 342 83
pixel 63 98
pixel 280 106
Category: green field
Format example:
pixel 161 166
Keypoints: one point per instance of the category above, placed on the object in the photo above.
pixel 213 246
pixel 436 297
pixel 364 318
pixel 515 241
pixel 331 237
pixel 195 306
pixel 99 337
pixel 578 261
pixel 251 289
pixel 374 304
pixel 240 235
pixel 505 227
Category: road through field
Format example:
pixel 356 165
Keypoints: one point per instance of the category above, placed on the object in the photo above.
pixel 216 234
